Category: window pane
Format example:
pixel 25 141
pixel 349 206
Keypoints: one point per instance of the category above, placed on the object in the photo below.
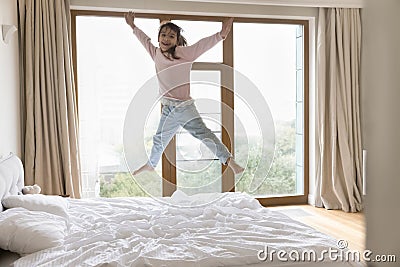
pixel 199 176
pixel 112 66
pixel 198 170
pixel 269 61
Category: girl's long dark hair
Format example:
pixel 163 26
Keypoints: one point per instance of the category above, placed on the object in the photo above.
pixel 181 40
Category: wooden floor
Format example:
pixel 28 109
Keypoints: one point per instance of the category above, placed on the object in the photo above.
pixel 336 223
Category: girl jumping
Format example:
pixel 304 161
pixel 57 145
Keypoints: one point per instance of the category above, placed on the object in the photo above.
pixel 173 60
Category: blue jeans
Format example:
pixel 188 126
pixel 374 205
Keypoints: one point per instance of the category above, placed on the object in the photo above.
pixel 188 117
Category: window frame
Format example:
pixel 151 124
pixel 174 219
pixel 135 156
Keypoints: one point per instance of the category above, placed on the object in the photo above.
pixel 227 97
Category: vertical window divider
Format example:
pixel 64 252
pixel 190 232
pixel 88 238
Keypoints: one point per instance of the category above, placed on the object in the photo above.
pixel 227 109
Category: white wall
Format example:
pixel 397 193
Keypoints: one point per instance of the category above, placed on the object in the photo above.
pixel 10 133
pixel 381 128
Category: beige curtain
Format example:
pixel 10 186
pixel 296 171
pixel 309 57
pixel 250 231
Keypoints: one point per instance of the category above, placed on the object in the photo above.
pixel 338 151
pixel 50 144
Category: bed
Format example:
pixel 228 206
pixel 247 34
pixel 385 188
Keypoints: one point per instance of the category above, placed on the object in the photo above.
pixel 221 229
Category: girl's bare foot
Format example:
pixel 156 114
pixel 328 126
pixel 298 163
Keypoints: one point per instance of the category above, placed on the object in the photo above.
pixel 236 168
pixel 144 168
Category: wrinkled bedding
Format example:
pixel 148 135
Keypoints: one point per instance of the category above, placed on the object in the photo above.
pixel 228 229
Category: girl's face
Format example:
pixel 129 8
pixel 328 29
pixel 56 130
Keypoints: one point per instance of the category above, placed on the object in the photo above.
pixel 167 39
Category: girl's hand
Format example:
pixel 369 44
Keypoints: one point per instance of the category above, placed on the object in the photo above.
pixel 129 18
pixel 226 27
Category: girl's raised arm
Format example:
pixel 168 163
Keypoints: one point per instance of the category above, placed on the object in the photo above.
pixel 142 37
pixel 130 18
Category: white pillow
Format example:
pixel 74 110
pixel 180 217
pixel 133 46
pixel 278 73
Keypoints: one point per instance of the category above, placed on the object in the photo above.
pixel 24 232
pixel 52 204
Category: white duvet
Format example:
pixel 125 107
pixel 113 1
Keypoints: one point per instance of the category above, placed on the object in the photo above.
pixel 227 229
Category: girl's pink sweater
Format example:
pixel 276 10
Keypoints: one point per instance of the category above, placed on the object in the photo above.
pixel 174 75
